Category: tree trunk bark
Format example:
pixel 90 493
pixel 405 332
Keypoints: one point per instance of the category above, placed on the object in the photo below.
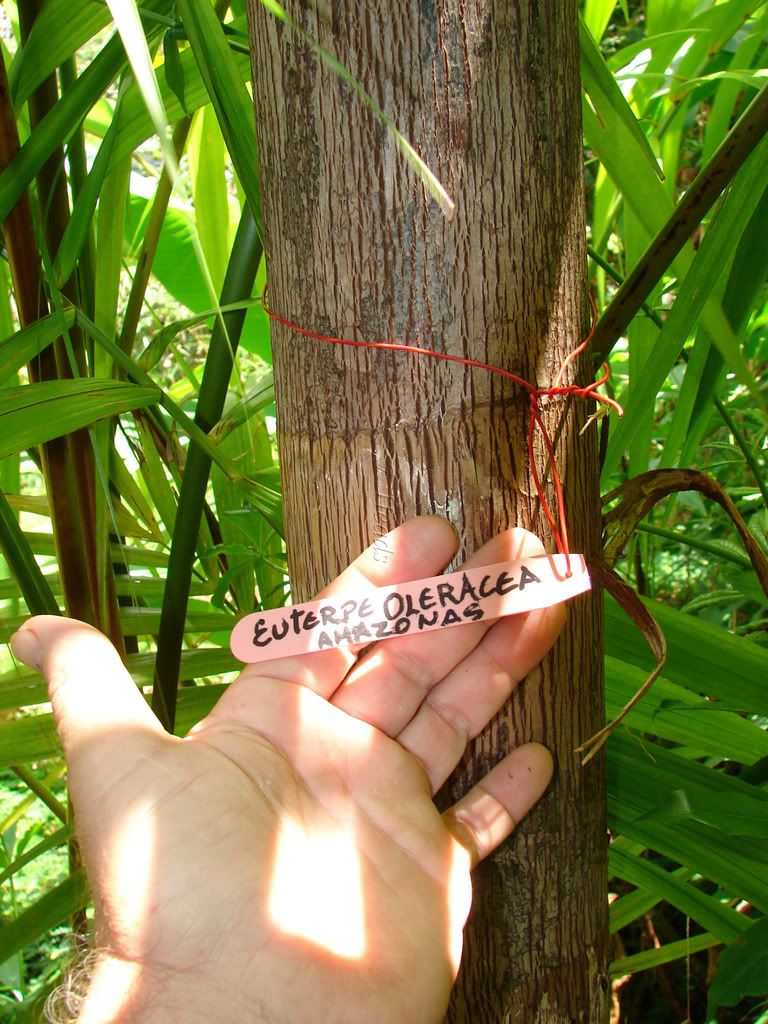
pixel 488 94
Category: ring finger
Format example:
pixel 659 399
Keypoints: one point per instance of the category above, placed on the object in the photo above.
pixel 463 703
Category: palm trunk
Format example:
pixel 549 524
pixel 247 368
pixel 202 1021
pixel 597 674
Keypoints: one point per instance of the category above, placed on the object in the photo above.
pixel 488 93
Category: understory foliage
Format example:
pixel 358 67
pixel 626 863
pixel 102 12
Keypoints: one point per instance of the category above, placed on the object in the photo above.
pixel 137 422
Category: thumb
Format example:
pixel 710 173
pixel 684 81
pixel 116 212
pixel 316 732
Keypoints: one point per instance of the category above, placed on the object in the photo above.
pixel 94 699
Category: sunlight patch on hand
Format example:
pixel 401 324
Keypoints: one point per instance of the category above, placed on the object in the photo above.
pixel 131 861
pixel 459 901
pixel 316 890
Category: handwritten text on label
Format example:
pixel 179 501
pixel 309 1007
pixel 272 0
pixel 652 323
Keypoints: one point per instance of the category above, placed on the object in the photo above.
pixel 379 613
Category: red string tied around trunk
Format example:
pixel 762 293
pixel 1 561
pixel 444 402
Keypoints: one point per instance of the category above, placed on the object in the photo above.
pixel 559 527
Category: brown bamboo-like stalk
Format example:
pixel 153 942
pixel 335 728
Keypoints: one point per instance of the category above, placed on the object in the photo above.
pixel 32 303
pixel 68 462
pixel 149 242
pixel 488 93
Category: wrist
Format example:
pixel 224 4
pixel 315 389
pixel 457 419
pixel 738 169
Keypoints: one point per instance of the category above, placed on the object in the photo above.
pixel 125 992
pixel 116 992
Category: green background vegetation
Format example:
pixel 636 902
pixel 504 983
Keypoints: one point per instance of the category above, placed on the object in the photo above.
pixel 143 371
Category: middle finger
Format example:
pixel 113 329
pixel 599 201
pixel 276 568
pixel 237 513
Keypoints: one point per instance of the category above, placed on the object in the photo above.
pixel 387 686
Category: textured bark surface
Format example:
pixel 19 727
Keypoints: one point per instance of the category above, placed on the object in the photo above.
pixel 488 93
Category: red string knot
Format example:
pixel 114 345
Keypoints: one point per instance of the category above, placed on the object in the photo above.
pixel 538 397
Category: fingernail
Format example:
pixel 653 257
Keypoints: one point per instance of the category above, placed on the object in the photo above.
pixel 26 647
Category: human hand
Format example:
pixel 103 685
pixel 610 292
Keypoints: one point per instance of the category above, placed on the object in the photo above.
pixel 285 861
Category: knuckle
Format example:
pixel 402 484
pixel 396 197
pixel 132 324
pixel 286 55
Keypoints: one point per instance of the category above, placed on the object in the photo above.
pixel 454 718
pixel 413 670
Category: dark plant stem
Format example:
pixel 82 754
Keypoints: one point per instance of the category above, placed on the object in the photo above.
pixel 41 791
pixel 68 462
pixel 238 283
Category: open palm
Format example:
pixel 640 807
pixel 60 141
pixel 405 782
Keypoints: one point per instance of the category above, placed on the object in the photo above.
pixel 285 861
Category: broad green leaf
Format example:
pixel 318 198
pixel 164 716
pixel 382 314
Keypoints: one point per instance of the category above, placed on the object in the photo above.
pixel 669 15
pixel 60 29
pixel 726 97
pixel 57 838
pixel 750 265
pixel 742 970
pixel 50 910
pixel 701 376
pixel 109 253
pixel 225 85
pixel 64 119
pixel 173 68
pixel 713 28
pixel 205 151
pixel 720 242
pixel 597 14
pixel 34 738
pixel 128 22
pixel 135 125
pixel 20 559
pixel 21 347
pixel 175 264
pixel 735 814
pixel 136 44
pixel 255 337
pixel 611 109
pixel 641 337
pixel 81 218
pixel 674 713
pixel 706 659
pixel 7 323
pixel 646 47
pixel 650 958
pixel 628 169
pixel 36 413
pixel 625 160
pixel 176 267
pixel 641 774
pixel 727 924
pixel 670 143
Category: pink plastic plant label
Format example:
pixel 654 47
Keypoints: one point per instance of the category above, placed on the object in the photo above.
pixel 403 609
